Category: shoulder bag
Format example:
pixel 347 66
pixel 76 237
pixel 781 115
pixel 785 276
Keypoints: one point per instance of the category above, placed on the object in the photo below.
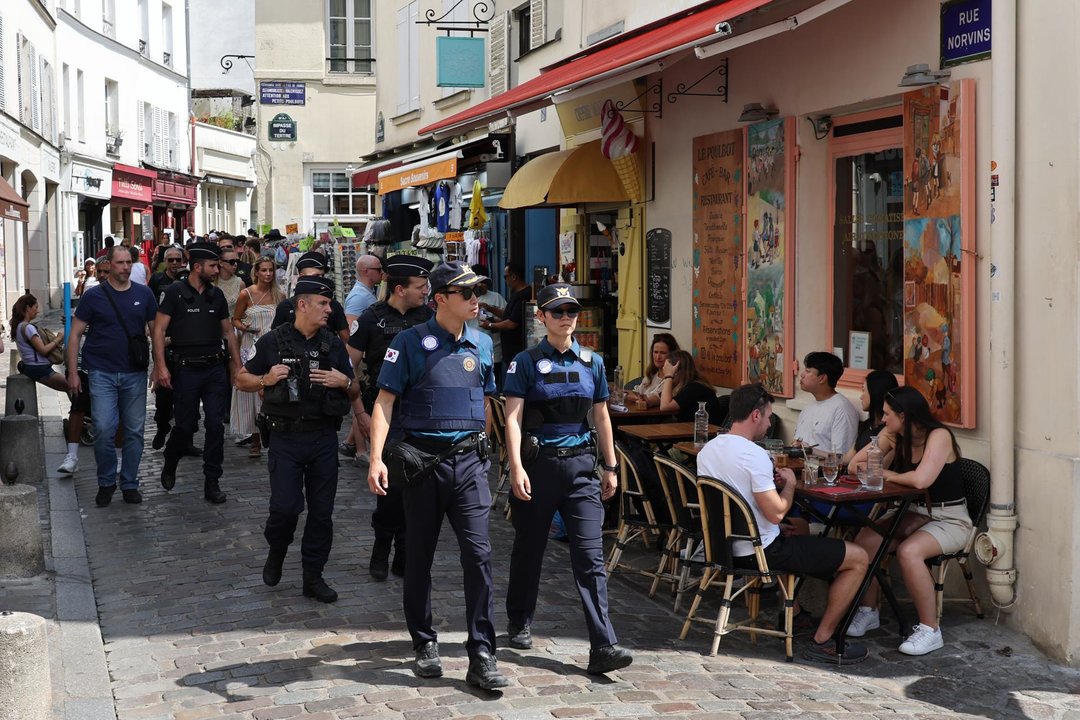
pixel 54 356
pixel 138 345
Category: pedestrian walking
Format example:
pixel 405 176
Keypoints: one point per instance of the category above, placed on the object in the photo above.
pixel 376 327
pixel 441 371
pixel 313 264
pixel 304 372
pixel 550 389
pixel 195 315
pixel 163 397
pixel 116 357
pixel 251 318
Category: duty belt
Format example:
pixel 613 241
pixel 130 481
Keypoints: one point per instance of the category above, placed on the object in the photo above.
pixel 280 424
pixel 466 444
pixel 567 452
pixel 200 361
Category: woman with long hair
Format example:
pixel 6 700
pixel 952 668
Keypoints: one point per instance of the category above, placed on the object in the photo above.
pixel 35 365
pixel 920 452
pixel 663 344
pixel 252 318
pixel 682 388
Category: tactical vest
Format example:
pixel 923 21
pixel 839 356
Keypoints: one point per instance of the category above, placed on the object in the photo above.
pixel 558 402
pixel 192 332
pixel 316 401
pixel 449 396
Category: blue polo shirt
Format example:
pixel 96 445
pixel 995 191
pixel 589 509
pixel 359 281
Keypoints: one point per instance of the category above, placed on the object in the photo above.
pixel 523 371
pixel 405 364
pixel 106 345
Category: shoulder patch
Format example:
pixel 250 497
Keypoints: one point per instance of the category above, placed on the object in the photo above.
pixel 586 355
pixel 391 355
pixel 513 367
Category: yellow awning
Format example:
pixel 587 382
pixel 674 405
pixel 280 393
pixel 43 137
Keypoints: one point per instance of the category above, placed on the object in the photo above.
pixel 568 177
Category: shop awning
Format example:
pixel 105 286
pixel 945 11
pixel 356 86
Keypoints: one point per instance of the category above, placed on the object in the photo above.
pixel 369 173
pixel 12 206
pixel 634 51
pixel 131 170
pixel 568 177
pixel 440 167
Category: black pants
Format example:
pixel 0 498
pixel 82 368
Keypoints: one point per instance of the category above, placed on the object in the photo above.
pixel 303 465
pixel 388 519
pixel 191 385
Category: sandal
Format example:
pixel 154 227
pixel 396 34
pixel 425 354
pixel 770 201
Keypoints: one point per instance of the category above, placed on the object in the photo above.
pixel 826 653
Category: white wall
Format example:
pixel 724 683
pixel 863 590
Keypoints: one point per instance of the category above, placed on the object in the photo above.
pixel 222 28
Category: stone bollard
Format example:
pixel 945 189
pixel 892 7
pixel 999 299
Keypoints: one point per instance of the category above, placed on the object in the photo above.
pixel 21 553
pixel 20 387
pixel 25 688
pixel 22 446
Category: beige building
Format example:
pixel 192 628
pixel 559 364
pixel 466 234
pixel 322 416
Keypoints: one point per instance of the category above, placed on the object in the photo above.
pixel 315 86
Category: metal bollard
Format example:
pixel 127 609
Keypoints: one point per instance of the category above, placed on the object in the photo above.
pixel 25 688
pixel 22 446
pixel 20 388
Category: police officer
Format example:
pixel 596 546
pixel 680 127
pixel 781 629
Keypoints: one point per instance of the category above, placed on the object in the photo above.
pixel 550 389
pixel 304 372
pixel 163 397
pixel 312 264
pixel 441 371
pixel 405 306
pixel 195 315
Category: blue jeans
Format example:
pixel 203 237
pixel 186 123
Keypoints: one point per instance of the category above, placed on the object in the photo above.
pixel 118 400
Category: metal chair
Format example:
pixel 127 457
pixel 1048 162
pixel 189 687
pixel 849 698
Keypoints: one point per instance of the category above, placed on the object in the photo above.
pixel 726 518
pixel 977 493
pixel 684 537
pixel 637 518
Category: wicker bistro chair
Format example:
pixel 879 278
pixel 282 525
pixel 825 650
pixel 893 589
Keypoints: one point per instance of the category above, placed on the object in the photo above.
pixel 977 492
pixel 498 432
pixel 684 539
pixel 725 518
pixel 637 517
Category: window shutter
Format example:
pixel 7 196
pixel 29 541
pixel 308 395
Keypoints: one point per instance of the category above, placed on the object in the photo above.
pixel 46 101
pixel 537 23
pixel 3 101
pixel 414 56
pixel 498 67
pixel 403 60
pixel 160 132
pixel 142 131
pixel 35 90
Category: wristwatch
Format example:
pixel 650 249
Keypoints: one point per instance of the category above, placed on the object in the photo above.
pixel 610 468
pixel 348 385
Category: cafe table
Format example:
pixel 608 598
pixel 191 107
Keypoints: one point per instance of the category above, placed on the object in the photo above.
pixel 848 495
pixel 664 434
pixel 633 415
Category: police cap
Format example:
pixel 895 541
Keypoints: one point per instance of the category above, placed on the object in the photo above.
pixel 313 285
pixel 453 273
pixel 203 251
pixel 407 266
pixel 555 295
pixel 311 260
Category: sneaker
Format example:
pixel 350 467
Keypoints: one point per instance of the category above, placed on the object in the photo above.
pixel 608 659
pixel 104 495
pixel 428 664
pixel 826 653
pixel 923 639
pixel 347 449
pixel 519 636
pixel 866 618
pixel 484 672
pixel 69 466
pixel 244 441
pixel 132 496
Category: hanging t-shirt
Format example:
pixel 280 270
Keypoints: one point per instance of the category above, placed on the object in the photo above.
pixel 442 207
pixel 455 205
pixel 424 209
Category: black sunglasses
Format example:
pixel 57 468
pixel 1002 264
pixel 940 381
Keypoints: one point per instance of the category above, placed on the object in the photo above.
pixel 231 262
pixel 465 293
pixel 560 314
pixel 179 260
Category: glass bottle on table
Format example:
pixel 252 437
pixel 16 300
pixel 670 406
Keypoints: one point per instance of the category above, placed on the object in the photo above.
pixel 875 475
pixel 701 425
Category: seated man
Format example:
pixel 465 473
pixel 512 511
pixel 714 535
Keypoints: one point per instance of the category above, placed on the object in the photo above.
pixel 735 459
pixel 831 422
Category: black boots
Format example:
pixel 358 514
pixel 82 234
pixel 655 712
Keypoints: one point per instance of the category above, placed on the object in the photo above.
pixel 168 475
pixel 272 568
pixel 484 672
pixel 211 490
pixel 316 587
pixel 379 566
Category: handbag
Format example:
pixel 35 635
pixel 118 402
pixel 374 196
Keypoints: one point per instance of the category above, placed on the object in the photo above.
pixel 54 356
pixel 138 345
pixel 408 465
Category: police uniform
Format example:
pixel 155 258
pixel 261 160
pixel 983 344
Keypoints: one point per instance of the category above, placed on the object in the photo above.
pixel 163 396
pixel 559 455
pixel 376 328
pixel 440 383
pixel 303 421
pixel 285 313
pixel 197 366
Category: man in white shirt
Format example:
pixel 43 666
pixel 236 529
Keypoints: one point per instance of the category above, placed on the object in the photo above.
pixel 831 423
pixel 736 460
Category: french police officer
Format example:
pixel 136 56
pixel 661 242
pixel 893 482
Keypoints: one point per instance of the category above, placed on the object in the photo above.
pixel 195 315
pixel 405 305
pixel 304 372
pixel 441 371
pixel 163 397
pixel 312 264
pixel 550 389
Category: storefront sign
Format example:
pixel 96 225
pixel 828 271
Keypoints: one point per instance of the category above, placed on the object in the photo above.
pixel 423 175
pixel 282 93
pixel 658 277
pixel 718 251
pixel 50 163
pixel 380 128
pixel 9 140
pixel 227 182
pixel 459 62
pixel 282 128
pixel 965 31
pixel 126 186
pixel 91 181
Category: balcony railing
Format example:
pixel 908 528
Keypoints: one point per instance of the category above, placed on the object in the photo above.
pixel 166 58
pixel 108 28
pixel 143 45
pixel 350 66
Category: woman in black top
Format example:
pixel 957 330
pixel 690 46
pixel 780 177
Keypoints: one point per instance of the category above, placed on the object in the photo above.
pixel 682 388
pixel 876 384
pixel 922 453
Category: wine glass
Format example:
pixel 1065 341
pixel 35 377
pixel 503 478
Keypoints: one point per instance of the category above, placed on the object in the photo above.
pixel 830 468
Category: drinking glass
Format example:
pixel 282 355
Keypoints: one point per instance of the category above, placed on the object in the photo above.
pixel 813 464
pixel 830 468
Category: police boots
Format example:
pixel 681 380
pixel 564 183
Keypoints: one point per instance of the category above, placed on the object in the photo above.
pixel 316 587
pixel 379 566
pixel 212 492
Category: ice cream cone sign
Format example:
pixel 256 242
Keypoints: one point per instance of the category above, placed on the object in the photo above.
pixel 619 145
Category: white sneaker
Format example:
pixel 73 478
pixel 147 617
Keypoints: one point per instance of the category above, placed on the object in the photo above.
pixel 69 466
pixel 866 618
pixel 922 640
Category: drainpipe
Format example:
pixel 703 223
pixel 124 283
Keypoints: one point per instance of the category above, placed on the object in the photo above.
pixel 995 546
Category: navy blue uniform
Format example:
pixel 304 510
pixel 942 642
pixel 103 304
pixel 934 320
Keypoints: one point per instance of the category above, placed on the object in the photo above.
pixel 559 389
pixel 163 397
pixel 303 459
pixel 198 371
pixel 285 314
pixel 441 383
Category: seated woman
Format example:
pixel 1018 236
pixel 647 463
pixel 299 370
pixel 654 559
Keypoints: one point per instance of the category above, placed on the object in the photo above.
pixel 876 384
pixel 663 344
pixel 682 388
pixel 922 453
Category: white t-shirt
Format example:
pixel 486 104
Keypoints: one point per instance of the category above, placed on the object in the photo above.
pixel 831 424
pixel 138 273
pixel 496 300
pixel 746 467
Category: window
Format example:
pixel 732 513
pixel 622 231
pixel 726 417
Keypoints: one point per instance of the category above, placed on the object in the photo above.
pixel 3 101
pixel 112 107
pixel 80 105
pixel 47 102
pixel 146 131
pixel 67 101
pixel 333 195
pixel 144 27
pixel 166 34
pixel 523 24
pixel 408 59
pixel 108 18
pixel 348 36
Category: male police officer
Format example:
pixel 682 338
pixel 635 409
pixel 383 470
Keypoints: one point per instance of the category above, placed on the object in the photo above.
pixel 312 264
pixel 441 371
pixel 550 389
pixel 163 397
pixel 304 371
pixel 376 327
pixel 195 315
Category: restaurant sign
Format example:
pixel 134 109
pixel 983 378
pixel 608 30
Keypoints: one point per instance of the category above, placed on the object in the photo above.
pixel 282 128
pixel 965 31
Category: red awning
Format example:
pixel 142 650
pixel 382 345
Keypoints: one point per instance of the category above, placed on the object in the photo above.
pixel 12 206
pixel 367 178
pixel 620 56
pixel 131 170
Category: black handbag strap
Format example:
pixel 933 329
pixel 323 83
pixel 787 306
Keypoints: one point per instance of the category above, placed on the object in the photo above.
pixel 123 325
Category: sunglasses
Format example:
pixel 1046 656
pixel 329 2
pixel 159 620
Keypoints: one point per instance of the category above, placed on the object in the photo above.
pixel 231 262
pixel 465 293
pixel 560 314
pixel 175 260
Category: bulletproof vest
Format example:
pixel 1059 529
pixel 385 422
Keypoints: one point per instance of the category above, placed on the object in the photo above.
pixel 559 400
pixel 315 401
pixel 193 325
pixel 450 395
pixel 390 324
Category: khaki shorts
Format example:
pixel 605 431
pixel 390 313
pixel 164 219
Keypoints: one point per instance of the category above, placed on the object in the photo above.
pixel 949 525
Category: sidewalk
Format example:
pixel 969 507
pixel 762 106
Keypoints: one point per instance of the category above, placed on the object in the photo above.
pixel 180 626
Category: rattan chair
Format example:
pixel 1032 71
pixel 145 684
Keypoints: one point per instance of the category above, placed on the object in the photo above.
pixel 725 518
pixel 637 517
pixel 977 493
pixel 498 431
pixel 684 538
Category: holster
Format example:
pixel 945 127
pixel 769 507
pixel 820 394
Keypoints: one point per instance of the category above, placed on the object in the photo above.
pixel 530 449
pixel 262 423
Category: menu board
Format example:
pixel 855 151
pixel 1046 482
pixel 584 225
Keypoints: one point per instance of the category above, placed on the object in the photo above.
pixel 658 277
pixel 718 257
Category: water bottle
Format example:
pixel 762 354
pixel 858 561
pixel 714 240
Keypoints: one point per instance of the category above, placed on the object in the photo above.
pixel 618 389
pixel 874 477
pixel 701 425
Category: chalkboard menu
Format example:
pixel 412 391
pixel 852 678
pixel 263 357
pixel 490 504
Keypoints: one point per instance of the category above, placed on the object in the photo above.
pixel 658 277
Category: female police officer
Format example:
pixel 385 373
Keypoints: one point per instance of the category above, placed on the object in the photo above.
pixel 549 390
